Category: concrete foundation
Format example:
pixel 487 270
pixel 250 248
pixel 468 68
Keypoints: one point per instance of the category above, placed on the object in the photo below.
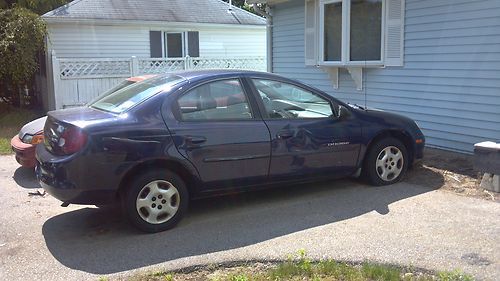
pixel 491 182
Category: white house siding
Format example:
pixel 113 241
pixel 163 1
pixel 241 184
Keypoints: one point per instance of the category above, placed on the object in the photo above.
pixel 111 41
pixel 233 42
pixel 450 82
pixel 90 41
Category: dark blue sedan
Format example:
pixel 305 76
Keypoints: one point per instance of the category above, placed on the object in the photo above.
pixel 157 144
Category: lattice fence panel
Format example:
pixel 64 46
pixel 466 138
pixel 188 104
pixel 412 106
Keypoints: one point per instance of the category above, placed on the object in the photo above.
pixel 157 66
pixel 94 68
pixel 258 64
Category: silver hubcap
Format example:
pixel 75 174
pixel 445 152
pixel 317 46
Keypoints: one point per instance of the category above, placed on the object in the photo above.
pixel 389 163
pixel 158 201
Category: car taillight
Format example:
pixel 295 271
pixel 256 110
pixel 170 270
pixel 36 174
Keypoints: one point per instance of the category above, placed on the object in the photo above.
pixel 72 140
pixel 37 139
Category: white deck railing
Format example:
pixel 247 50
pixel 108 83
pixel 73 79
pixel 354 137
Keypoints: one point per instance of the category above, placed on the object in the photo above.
pixel 81 68
pixel 78 80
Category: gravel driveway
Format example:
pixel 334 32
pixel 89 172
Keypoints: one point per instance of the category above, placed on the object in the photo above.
pixel 402 224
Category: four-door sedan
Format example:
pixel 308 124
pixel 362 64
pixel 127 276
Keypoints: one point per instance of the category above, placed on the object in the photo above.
pixel 31 134
pixel 161 142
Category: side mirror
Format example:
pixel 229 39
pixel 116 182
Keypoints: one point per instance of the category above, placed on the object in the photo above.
pixel 343 112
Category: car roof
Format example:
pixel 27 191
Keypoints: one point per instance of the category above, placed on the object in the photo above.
pixel 193 75
pixel 140 78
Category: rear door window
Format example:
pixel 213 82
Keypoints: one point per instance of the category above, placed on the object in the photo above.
pixel 219 100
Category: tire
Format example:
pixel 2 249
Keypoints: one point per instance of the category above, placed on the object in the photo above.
pixel 155 200
pixel 379 171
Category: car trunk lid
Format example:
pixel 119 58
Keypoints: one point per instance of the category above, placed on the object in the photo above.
pixel 61 122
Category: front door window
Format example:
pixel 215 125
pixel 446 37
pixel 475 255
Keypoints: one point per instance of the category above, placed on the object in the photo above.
pixel 286 101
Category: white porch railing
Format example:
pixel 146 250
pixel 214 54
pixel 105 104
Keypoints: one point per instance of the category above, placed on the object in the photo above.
pixel 78 80
pixel 82 68
pixel 93 68
pixel 157 66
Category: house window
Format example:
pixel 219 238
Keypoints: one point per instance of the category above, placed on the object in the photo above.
pixel 174 45
pixel 354 33
pixel 165 44
pixel 365 30
pixel 333 31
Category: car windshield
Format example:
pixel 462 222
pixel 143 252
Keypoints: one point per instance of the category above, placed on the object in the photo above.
pixel 125 98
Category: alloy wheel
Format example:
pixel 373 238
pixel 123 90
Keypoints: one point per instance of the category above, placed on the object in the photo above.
pixel 158 201
pixel 389 163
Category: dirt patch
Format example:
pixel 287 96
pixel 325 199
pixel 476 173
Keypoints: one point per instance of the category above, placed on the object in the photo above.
pixel 213 272
pixel 449 171
pixel 301 270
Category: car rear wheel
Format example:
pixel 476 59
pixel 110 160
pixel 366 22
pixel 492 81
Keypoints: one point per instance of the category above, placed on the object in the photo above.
pixel 156 201
pixel 386 162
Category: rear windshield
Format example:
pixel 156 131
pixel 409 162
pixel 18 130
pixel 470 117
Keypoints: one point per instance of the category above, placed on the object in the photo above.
pixel 120 86
pixel 129 96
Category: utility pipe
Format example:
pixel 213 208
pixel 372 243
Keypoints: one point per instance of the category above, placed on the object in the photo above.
pixel 269 34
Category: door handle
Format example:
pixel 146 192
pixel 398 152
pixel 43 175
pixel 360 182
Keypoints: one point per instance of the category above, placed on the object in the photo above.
pixel 196 139
pixel 284 135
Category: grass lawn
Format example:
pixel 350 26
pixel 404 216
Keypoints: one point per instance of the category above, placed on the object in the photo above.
pixel 302 268
pixel 11 121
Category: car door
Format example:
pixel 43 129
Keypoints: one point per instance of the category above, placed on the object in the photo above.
pixel 307 139
pixel 222 135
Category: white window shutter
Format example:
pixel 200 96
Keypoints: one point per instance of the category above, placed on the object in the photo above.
pixel 311 31
pixel 394 32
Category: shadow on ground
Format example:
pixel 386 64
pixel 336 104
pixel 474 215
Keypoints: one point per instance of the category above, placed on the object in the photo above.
pixel 99 241
pixel 25 177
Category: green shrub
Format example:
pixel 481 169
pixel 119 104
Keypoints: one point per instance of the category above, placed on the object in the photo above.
pixel 22 34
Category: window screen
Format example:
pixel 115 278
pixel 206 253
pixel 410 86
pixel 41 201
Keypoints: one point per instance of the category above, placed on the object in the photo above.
pixel 333 31
pixel 155 45
pixel 193 43
pixel 366 30
pixel 174 45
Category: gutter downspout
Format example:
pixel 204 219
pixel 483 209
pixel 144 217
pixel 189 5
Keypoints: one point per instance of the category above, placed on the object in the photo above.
pixel 269 34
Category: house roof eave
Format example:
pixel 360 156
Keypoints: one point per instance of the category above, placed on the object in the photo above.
pixel 270 2
pixel 205 11
pixel 160 24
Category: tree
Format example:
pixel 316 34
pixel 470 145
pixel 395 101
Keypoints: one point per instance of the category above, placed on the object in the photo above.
pixel 22 35
pixel 243 5
pixel 37 6
pixel 21 42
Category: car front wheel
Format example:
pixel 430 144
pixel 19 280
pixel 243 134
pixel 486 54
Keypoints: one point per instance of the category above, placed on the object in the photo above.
pixel 386 162
pixel 156 201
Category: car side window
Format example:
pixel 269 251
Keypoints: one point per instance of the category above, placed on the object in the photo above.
pixel 219 100
pixel 286 101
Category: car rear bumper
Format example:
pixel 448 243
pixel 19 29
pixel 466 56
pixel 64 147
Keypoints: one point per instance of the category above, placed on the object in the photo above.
pixel 68 180
pixel 25 153
pixel 77 196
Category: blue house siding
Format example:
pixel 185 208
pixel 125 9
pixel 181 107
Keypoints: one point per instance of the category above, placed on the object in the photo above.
pixel 450 82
